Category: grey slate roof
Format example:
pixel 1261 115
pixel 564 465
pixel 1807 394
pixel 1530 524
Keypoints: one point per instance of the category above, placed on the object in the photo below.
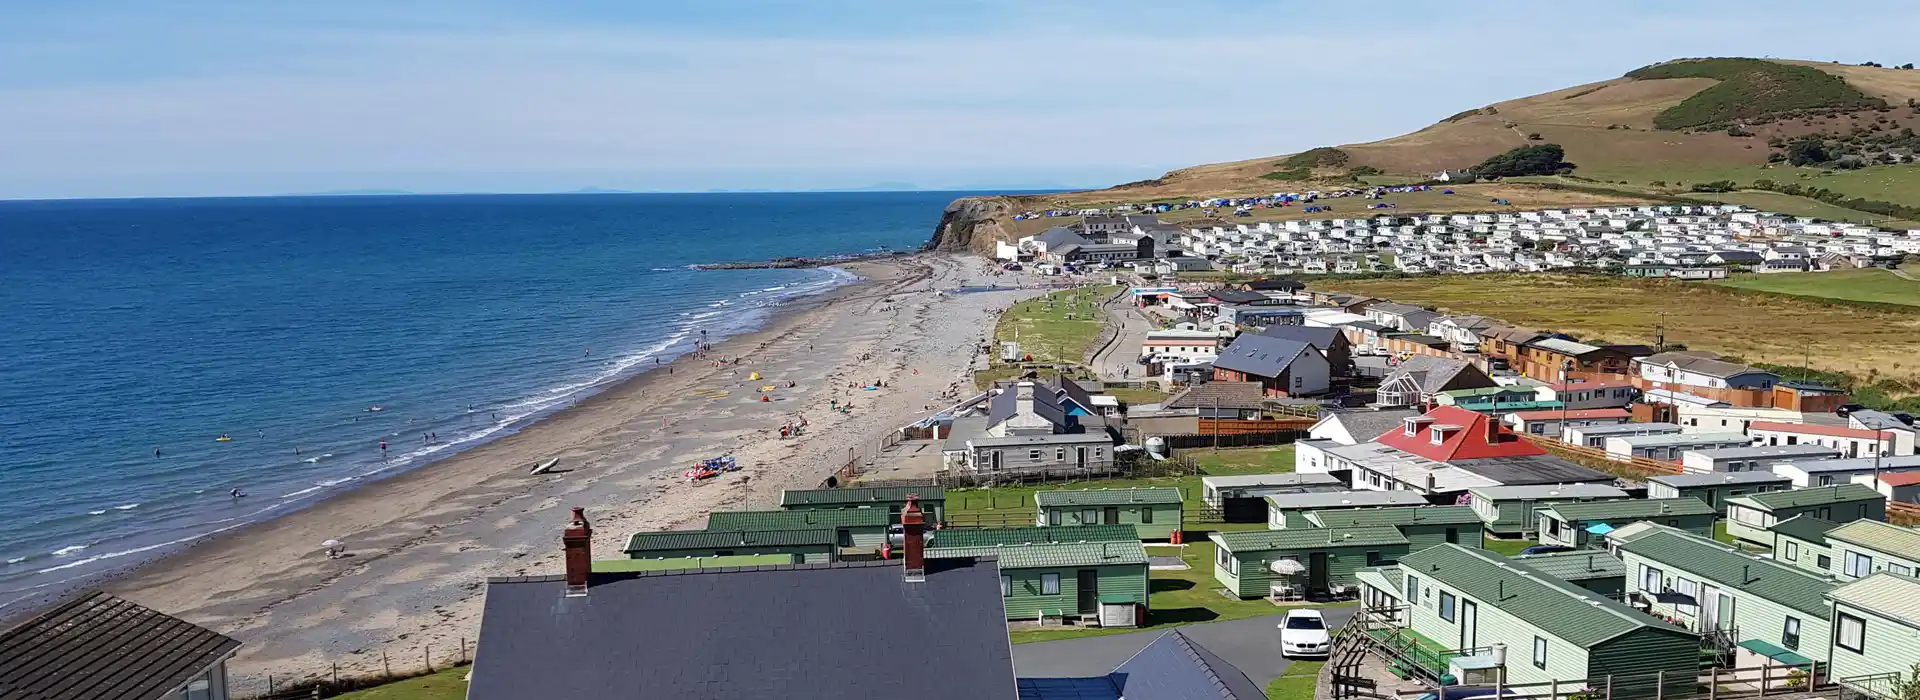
pixel 1175 667
pixel 1046 404
pixel 801 632
pixel 1432 374
pixel 1259 355
pixel 98 647
pixel 1700 363
pixel 1318 336
pixel 1236 395
pixel 1366 425
pixel 1529 470
pixel 1058 236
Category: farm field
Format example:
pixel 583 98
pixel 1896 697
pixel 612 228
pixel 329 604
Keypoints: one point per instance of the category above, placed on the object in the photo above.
pixel 1752 326
pixel 1858 285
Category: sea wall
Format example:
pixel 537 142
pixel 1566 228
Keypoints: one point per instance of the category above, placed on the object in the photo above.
pixel 972 225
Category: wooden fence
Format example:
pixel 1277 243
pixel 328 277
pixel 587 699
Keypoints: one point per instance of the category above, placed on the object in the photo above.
pixel 1247 439
pixel 1635 469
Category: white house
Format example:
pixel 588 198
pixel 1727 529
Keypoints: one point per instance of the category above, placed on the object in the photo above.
pixel 1814 473
pixel 1851 442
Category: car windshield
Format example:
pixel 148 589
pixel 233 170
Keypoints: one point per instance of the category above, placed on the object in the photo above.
pixel 1305 623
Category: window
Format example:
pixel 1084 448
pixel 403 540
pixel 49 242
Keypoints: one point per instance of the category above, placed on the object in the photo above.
pixel 1053 517
pixel 199 690
pixel 1453 535
pixel 1033 455
pixel 1437 436
pixel 1373 557
pixel 1413 590
pixel 1539 652
pixel 1826 513
pixel 1049 584
pixel 1851 634
pixel 1059 454
pixel 1900 569
pixel 1793 551
pixel 1859 565
pixel 1825 562
pixel 1446 606
pixel 1649 579
pixel 1006 586
pixel 1146 515
pixel 1089 516
pixel 1790 637
pixel 1687 587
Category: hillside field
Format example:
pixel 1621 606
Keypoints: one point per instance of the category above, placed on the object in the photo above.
pixel 1753 326
pixel 1872 285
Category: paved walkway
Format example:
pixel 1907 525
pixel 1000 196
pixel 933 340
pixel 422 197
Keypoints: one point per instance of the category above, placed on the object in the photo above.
pixel 1252 644
pixel 1117 362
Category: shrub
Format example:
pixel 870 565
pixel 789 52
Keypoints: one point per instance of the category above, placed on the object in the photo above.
pixel 1738 131
pixel 1715 186
pixel 1535 136
pixel 1364 170
pixel 1807 151
pixel 1751 89
pixel 1544 159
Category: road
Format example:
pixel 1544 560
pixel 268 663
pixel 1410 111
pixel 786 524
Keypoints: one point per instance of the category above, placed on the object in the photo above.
pixel 1252 644
pixel 1117 361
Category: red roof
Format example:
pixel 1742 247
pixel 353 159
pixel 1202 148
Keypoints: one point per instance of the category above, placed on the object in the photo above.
pixel 1900 478
pixel 1813 429
pixel 1550 414
pixel 1469 441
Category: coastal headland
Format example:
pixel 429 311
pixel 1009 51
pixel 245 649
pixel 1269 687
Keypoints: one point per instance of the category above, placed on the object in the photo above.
pixel 421 545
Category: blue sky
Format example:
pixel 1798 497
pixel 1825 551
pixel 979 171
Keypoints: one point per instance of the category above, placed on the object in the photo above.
pixel 201 97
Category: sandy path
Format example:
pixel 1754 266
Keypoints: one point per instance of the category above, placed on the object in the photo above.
pixel 423 542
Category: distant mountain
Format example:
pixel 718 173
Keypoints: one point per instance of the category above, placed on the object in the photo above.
pixel 598 190
pixel 351 193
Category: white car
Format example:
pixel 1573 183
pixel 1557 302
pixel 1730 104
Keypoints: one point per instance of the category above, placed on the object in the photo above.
pixel 1304 633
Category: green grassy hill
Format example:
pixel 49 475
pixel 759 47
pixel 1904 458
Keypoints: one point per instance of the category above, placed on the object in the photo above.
pixel 1751 90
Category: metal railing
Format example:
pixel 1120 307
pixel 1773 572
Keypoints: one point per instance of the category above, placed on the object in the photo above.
pixel 1885 686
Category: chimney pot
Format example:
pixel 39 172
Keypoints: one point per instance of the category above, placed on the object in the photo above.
pixel 913 540
pixel 577 541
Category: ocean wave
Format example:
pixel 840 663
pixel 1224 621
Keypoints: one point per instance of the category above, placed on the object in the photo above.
pixel 15 560
pixel 129 506
pixel 97 512
pixel 71 549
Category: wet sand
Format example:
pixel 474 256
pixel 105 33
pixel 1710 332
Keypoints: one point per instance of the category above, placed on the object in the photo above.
pixel 421 544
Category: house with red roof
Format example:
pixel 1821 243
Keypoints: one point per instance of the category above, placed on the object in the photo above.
pixel 1550 422
pixel 1850 442
pixel 1898 487
pixel 1448 451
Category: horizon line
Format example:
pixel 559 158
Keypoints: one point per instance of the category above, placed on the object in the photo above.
pixel 585 192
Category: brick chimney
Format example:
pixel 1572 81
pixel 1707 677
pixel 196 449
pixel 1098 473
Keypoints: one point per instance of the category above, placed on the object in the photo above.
pixel 1493 430
pixel 913 540
pixel 577 540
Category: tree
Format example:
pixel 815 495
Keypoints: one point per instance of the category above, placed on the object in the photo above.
pixel 1909 689
pixel 1807 152
pixel 1544 159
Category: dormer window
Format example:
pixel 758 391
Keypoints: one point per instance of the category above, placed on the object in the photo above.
pixel 1439 436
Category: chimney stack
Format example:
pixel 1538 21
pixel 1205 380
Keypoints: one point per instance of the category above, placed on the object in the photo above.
pixel 913 540
pixel 1493 430
pixel 577 540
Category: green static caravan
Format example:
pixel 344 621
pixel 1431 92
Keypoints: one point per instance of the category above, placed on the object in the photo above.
pixel 1591 569
pixel 1509 511
pixel 1319 559
pixel 1468 598
pixel 1153 512
pixel 1876 634
pixel 1285 510
pixel 801 546
pixel 1574 524
pixel 1072 580
pixel 1748 517
pixel 953 537
pixel 1864 547
pixel 1801 541
pixel 628 566
pixel 1715 488
pixel 893 499
pixel 1423 526
pixel 864 528
pixel 1716 589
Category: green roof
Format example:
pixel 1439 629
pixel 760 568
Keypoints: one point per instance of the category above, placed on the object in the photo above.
pixel 1629 509
pixel 1052 556
pixel 1391 575
pixel 1887 595
pixel 1578 616
pixel 1408 515
pixel 857 496
pixel 1583 565
pixel 1801 498
pixel 810 519
pixel 1899 541
pixel 990 536
pixel 622 566
pixel 1304 538
pixel 1107 497
pixel 1805 528
pixel 1722 565
pixel 723 539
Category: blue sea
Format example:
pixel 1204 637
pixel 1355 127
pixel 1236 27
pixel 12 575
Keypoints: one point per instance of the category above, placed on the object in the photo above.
pixel 137 332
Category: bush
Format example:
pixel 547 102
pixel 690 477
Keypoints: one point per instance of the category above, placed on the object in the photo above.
pixel 1544 159
pixel 1807 151
pixel 1364 170
pixel 1535 136
pixel 1738 131
pixel 1751 90
pixel 1715 186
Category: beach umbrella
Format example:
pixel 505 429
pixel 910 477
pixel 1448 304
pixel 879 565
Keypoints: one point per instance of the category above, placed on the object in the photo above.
pixel 329 544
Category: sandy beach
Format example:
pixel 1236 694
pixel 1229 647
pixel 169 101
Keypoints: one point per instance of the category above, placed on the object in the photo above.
pixel 421 545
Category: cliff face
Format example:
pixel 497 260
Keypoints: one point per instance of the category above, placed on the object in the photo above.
pixel 972 224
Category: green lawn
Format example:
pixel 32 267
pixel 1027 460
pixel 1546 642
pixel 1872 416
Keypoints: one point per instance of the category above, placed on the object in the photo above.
pixel 1720 532
pixel 1244 460
pixel 1135 397
pixel 1855 285
pixel 1019 499
pixel 1506 547
pixel 450 684
pixel 1295 683
pixel 1058 327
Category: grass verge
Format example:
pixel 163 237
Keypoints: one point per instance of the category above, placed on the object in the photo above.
pixel 1872 285
pixel 449 684
pixel 1297 682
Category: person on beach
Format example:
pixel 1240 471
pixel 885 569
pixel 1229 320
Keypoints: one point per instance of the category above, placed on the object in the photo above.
pixel 236 493
pixel 156 451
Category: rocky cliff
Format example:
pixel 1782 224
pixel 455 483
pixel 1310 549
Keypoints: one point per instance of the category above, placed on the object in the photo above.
pixel 972 225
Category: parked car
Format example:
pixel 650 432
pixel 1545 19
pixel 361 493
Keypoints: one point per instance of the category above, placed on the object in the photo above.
pixel 1304 633
pixel 1845 409
pixel 1546 549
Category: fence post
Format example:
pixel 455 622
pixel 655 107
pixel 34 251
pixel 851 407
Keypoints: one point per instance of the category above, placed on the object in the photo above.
pixel 463 650
pixel 385 665
pixel 428 654
pixel 269 684
pixel 1556 689
pixel 1766 671
pixel 336 673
